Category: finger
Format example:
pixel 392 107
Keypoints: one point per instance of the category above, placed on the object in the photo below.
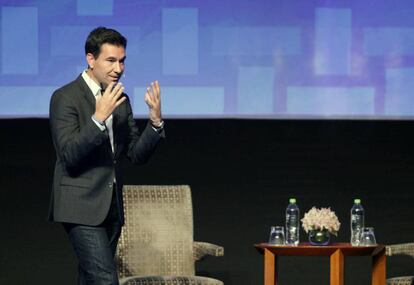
pixel 116 89
pixel 148 99
pixel 150 89
pixel 119 92
pixel 157 88
pixel 109 88
pixel 153 93
pixel 120 101
pixel 149 93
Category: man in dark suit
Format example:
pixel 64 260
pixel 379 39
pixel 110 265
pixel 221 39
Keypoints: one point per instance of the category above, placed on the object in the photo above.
pixel 92 125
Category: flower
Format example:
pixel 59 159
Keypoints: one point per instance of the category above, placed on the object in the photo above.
pixel 321 219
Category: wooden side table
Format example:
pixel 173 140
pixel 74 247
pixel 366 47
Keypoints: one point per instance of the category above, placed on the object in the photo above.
pixel 336 252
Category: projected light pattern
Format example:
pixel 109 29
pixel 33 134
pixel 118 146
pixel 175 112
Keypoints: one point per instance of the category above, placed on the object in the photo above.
pixel 221 59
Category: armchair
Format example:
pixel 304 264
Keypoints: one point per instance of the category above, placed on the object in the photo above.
pixel 400 249
pixel 156 246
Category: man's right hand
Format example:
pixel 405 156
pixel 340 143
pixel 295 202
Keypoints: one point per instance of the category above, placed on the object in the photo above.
pixel 106 104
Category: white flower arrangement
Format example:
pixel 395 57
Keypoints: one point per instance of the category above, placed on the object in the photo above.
pixel 321 219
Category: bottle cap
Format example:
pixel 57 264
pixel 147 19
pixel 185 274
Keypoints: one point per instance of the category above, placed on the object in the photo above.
pixel 357 201
pixel 292 201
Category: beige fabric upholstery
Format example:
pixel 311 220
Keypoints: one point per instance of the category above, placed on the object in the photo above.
pixel 404 280
pixel 156 245
pixel 401 249
pixel 171 280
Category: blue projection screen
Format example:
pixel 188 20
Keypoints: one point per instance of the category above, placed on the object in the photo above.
pixel 221 59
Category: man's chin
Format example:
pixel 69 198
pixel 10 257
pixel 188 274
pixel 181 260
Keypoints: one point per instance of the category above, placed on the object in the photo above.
pixel 104 85
pixel 114 79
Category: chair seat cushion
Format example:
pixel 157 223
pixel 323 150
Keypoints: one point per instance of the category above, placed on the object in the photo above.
pixel 170 280
pixel 403 280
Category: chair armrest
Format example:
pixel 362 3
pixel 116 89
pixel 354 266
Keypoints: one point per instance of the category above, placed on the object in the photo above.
pixel 201 249
pixel 400 249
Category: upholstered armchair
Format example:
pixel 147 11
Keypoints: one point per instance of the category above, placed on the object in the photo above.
pixel 156 246
pixel 401 249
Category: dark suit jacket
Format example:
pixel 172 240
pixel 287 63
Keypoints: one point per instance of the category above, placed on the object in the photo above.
pixel 86 166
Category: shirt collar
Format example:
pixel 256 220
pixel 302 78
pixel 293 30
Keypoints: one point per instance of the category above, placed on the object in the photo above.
pixel 93 86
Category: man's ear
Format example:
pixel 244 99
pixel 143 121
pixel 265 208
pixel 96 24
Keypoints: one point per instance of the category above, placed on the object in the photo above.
pixel 91 60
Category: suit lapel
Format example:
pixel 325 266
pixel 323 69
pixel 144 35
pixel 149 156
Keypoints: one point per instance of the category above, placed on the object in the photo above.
pixel 87 93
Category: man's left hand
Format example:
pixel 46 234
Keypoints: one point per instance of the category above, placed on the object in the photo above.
pixel 153 100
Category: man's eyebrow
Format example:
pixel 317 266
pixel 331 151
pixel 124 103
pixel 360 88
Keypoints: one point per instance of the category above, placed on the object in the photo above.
pixel 114 58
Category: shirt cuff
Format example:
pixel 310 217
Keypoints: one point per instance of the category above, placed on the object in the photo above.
pixel 101 125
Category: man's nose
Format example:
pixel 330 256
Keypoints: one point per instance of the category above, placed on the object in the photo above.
pixel 118 67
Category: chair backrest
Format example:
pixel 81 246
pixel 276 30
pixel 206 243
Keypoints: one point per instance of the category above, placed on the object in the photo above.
pixel 157 238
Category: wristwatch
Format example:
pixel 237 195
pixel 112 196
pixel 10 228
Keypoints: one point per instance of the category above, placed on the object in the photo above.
pixel 158 128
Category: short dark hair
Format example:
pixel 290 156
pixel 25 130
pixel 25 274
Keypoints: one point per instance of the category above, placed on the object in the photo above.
pixel 100 36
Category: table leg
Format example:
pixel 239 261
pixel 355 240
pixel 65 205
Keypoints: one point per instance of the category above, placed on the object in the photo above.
pixel 337 268
pixel 270 275
pixel 379 268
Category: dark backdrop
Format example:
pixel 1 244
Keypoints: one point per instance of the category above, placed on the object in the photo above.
pixel 242 173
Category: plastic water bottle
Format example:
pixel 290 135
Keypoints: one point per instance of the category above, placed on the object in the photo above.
pixel 292 223
pixel 357 222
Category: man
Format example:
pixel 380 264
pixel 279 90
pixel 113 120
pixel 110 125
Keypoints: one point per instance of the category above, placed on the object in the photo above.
pixel 92 125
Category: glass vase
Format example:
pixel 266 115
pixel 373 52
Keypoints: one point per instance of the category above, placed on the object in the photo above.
pixel 319 237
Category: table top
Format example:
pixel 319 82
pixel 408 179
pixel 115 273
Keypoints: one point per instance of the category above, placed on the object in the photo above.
pixel 306 248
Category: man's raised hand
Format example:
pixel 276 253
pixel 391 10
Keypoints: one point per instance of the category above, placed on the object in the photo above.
pixel 153 100
pixel 106 104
